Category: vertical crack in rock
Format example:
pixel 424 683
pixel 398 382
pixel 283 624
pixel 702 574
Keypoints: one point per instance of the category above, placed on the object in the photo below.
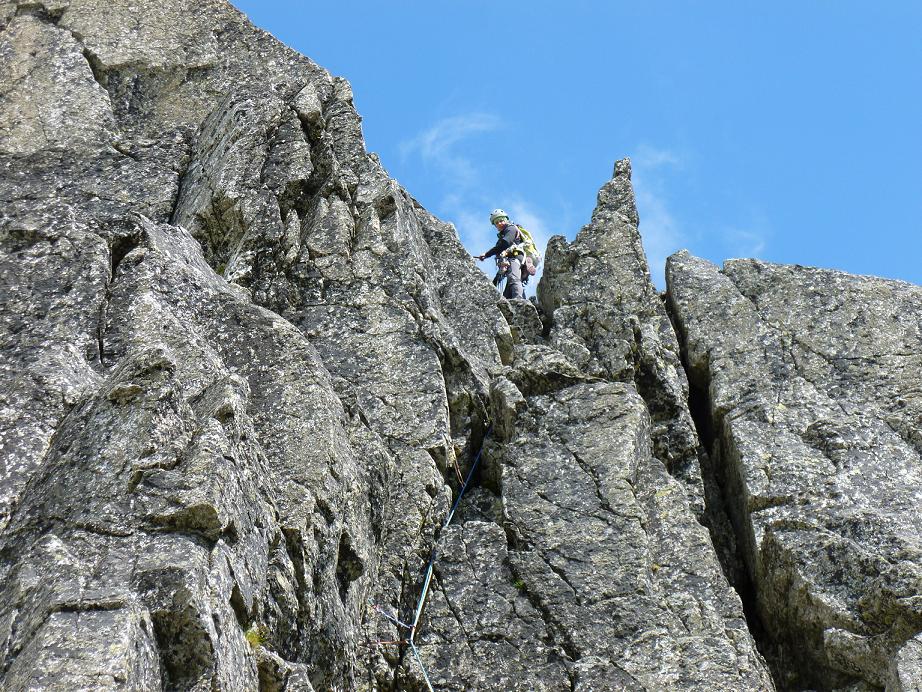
pixel 580 485
pixel 481 631
pixel 119 247
pixel 97 69
pixel 349 566
pixel 557 633
pixel 455 613
pixel 724 529
pixel 817 477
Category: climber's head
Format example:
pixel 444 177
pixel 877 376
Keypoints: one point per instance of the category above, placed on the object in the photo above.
pixel 499 218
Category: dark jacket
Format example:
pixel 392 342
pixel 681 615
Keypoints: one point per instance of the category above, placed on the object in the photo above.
pixel 507 238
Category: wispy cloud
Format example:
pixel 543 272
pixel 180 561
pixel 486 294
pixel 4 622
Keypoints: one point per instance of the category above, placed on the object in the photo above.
pixel 533 219
pixel 745 242
pixel 437 145
pixel 472 225
pixel 664 232
pixel 660 231
pixel 440 147
pixel 648 158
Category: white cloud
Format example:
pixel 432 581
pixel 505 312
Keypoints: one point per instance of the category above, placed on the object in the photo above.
pixel 647 157
pixel 660 232
pixel 474 228
pixel 744 243
pixel 663 233
pixel 436 145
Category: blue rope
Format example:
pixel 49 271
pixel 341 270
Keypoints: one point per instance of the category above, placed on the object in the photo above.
pixel 431 565
pixel 467 480
pixel 422 598
pixel 427 580
pixel 421 666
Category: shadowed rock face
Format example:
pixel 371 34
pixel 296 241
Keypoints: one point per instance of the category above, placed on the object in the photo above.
pixel 243 371
pixel 813 386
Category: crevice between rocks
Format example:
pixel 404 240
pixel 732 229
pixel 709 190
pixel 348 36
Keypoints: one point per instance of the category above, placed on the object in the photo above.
pixel 119 247
pixel 724 528
pixel 96 66
pixel 186 651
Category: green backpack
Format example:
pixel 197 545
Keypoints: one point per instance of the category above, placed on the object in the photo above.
pixel 531 249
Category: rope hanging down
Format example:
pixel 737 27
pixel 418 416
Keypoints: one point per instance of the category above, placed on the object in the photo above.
pixel 427 579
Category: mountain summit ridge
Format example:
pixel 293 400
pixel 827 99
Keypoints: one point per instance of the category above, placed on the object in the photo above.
pixel 244 373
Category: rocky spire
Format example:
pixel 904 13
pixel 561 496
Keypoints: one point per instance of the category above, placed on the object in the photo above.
pixel 604 313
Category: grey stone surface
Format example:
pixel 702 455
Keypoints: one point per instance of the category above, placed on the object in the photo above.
pixel 242 372
pixel 180 464
pixel 482 631
pixel 906 667
pixel 606 547
pixel 175 496
pixel 607 317
pixel 812 382
pixel 39 109
pixel 524 320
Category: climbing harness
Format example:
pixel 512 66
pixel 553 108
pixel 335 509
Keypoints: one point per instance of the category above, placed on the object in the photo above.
pixel 427 579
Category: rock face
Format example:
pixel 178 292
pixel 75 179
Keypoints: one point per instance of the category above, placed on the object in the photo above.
pixel 233 379
pixel 609 320
pixel 244 375
pixel 603 540
pixel 811 382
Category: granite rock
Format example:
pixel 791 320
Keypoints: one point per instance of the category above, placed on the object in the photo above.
pixel 605 545
pixel 244 374
pixel 811 379
pixel 606 316
pixel 180 463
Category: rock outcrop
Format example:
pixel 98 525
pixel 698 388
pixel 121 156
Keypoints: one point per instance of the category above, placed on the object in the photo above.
pixel 234 378
pixel 610 322
pixel 810 383
pixel 244 375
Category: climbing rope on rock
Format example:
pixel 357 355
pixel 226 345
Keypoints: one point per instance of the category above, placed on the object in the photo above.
pixel 427 579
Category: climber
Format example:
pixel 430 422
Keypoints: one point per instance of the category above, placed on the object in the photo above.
pixel 509 253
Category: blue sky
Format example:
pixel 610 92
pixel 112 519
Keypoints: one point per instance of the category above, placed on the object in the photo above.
pixel 788 131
